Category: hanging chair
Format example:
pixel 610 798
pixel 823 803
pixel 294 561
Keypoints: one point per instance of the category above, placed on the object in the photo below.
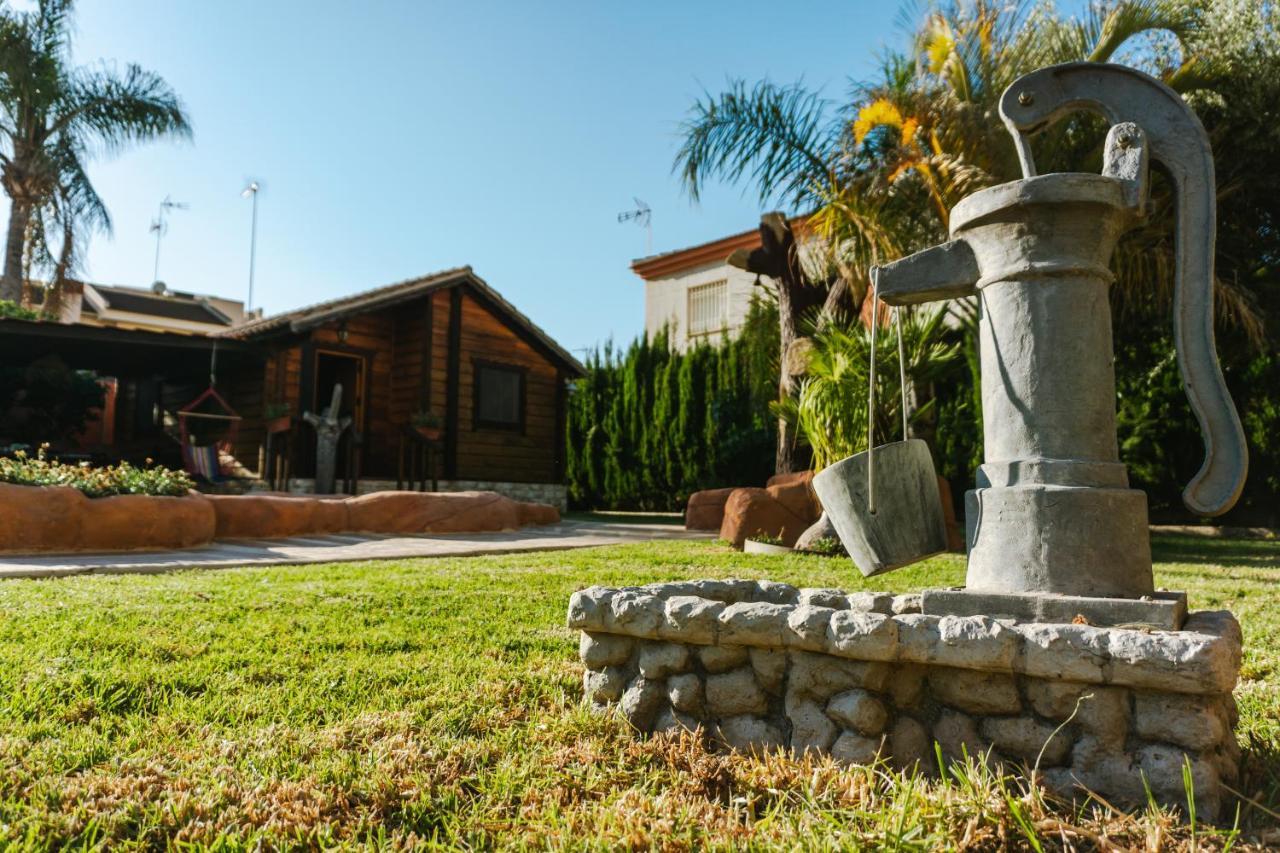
pixel 202 460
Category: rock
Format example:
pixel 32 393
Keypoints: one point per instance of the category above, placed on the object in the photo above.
pixel 957 735
pixel 635 614
pixel 770 666
pixel 975 692
pixel 822 676
pixel 872 602
pixel 823 528
pixel 1194 722
pixel 807 627
pixel 910 744
pixel 852 748
pixel 1162 765
pixel 722 658
pixel 827 598
pixel 858 710
pixel 1025 737
pixel 658 660
pixel 275 516
pixel 670 720
pixel 1203 658
pixel 774 592
pixel 587 608
pixel 34 519
pixel 600 687
pixel 754 623
pixel 976 642
pixel 690 619
pixel 724 590
pixel 733 693
pixel 906 603
pixel 811 729
pixel 1099 766
pixel 750 734
pixel 601 650
pixel 795 492
pixel 641 701
pixel 1065 652
pixel 705 510
pixel 906 686
pixel 864 636
pixel 1105 713
pixel 442 512
pixel 686 694
pixel 752 511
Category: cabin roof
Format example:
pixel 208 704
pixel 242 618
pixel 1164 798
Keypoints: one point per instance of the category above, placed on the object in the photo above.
pixel 311 316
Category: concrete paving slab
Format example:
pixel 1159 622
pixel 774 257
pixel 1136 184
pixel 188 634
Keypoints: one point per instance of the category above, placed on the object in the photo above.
pixel 343 548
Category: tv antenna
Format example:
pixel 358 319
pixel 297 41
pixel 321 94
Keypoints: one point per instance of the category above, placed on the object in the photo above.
pixel 159 227
pixel 643 217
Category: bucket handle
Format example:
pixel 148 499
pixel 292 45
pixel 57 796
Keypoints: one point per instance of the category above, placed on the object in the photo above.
pixel 871 391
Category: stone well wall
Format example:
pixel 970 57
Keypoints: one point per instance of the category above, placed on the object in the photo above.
pixel 766 665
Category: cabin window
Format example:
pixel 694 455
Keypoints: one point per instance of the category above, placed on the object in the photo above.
pixel 499 396
pixel 708 308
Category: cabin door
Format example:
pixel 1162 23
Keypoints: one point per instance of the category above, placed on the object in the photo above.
pixel 347 370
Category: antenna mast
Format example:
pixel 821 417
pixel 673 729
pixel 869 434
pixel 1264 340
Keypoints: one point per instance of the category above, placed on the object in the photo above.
pixel 159 227
pixel 643 217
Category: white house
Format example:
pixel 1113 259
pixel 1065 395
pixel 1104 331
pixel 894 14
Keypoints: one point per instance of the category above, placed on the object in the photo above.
pixel 695 294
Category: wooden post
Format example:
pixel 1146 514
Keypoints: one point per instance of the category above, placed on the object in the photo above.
pixel 454 370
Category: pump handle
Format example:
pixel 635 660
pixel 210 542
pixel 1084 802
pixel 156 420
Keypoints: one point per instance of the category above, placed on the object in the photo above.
pixel 1180 146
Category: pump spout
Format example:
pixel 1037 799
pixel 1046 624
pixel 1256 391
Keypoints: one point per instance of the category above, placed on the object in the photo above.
pixel 948 271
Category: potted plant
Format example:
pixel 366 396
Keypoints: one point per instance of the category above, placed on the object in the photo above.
pixel 427 425
pixel 277 417
pixel 765 543
pixel 826 546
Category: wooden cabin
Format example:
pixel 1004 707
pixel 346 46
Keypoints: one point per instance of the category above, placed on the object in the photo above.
pixel 445 349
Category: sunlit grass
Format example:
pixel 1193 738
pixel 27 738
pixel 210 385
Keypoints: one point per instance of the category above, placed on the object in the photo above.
pixel 437 701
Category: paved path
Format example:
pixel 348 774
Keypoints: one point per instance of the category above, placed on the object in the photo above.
pixel 337 548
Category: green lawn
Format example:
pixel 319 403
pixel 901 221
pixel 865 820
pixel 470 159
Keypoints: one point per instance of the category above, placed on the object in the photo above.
pixel 437 701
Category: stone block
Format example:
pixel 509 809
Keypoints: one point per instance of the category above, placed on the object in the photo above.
pixel 872 602
pixel 587 608
pixel 602 686
pixel 910 744
pixel 863 636
pixel 906 603
pixel 1162 765
pixel 773 592
pixel 754 623
pixel 1065 652
pixel 746 733
pixel 1103 711
pixel 822 676
pixel 672 721
pixel 686 694
pixel 807 627
pixel 658 660
pixel 690 619
pixel 1164 611
pixel 641 701
pixel 975 642
pixel 830 598
pixel 975 692
pixel 734 693
pixel 722 658
pixel 635 614
pixel 1028 739
pixel 600 650
pixel 906 685
pixel 770 666
pixel 957 735
pixel 1194 722
pixel 851 748
pixel 1193 660
pixel 811 729
pixel 858 710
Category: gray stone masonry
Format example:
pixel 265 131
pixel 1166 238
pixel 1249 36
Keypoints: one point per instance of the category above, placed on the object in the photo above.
pixel 866 676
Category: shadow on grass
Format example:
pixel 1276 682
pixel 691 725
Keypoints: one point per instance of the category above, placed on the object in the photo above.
pixel 1255 553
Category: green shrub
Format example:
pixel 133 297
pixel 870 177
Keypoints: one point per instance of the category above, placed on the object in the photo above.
pixel 122 479
pixel 10 310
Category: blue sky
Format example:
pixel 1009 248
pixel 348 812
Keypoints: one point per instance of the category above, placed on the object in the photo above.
pixel 398 138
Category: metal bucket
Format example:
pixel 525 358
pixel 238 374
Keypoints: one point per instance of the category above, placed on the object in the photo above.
pixel 904 524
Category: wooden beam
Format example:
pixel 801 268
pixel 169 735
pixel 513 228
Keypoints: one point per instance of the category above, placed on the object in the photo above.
pixel 454 368
pixel 424 384
pixel 558 441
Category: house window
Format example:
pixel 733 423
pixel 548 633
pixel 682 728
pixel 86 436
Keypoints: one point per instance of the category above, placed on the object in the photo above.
pixel 499 396
pixel 708 308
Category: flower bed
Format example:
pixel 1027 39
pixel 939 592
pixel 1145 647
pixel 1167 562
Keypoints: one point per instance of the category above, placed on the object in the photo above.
pixel 94 482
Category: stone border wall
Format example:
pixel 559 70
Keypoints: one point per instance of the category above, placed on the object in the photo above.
pixel 554 494
pixel 765 665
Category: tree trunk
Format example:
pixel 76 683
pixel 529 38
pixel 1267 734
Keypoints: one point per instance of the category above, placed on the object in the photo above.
pixel 11 281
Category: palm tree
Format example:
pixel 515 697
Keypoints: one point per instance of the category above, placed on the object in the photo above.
pixel 50 111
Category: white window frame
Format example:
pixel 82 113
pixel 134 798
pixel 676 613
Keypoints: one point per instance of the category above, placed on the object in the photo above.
pixel 708 307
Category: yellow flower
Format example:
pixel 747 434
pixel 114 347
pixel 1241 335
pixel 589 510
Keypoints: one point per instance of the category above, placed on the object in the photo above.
pixel 873 115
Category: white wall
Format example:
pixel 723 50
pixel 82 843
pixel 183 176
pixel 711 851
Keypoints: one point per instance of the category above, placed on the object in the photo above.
pixel 666 301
